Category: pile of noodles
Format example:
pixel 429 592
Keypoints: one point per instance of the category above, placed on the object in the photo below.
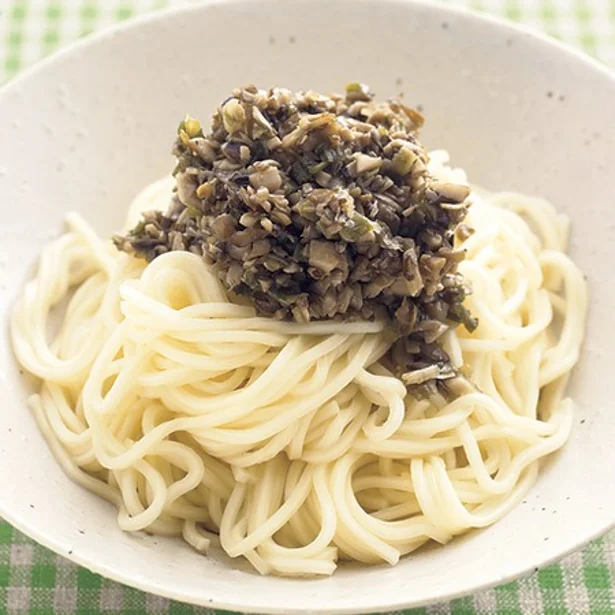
pixel 292 444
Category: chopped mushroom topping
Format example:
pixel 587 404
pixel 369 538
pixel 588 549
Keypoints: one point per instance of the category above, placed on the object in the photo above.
pixel 318 207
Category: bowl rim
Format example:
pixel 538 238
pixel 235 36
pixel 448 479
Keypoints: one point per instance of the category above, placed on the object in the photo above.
pixel 390 603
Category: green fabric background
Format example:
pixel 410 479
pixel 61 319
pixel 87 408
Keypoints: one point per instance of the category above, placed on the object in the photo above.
pixel 34 580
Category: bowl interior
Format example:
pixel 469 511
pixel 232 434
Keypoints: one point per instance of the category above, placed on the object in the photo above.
pixel 86 130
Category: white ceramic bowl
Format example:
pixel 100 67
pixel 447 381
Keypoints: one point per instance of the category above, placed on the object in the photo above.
pixel 88 128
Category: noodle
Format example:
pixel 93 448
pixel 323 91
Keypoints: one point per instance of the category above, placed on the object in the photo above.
pixel 293 445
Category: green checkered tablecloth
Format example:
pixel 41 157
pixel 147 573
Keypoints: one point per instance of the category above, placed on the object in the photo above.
pixel 34 580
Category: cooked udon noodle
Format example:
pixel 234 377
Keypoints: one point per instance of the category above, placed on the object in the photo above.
pixel 292 444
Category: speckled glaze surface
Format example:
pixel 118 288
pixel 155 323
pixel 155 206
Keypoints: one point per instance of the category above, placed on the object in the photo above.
pixel 87 129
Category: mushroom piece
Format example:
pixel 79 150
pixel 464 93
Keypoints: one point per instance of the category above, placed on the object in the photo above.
pixel 323 255
pixel 450 193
